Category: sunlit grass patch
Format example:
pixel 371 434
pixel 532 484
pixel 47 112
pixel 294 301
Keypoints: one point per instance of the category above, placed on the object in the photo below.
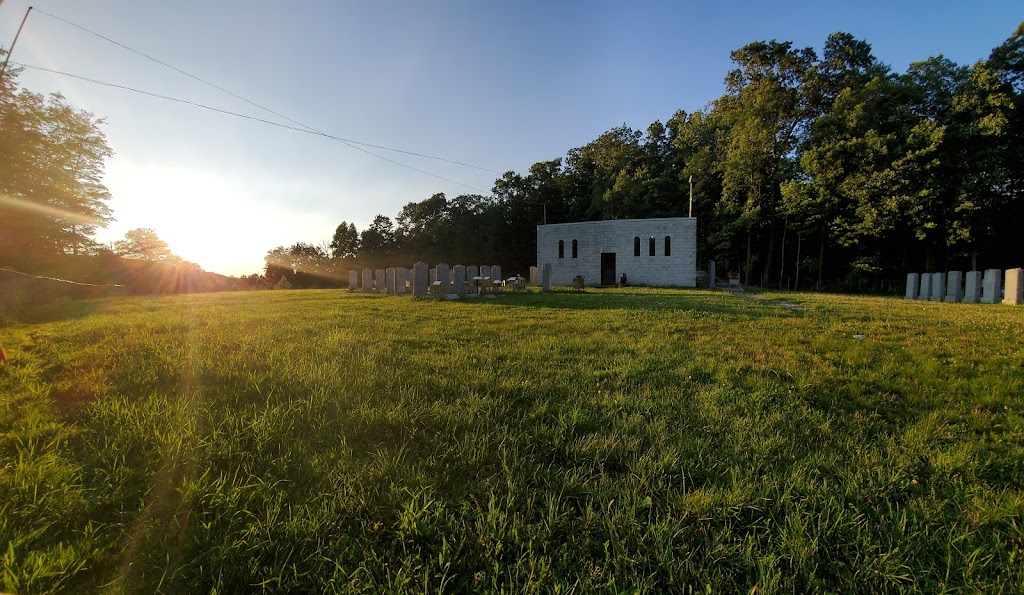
pixel 609 440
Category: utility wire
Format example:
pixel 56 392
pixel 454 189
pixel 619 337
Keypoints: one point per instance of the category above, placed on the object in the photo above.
pixel 266 109
pixel 238 115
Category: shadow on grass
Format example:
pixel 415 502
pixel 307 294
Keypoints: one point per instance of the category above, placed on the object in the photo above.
pixel 59 311
pixel 646 299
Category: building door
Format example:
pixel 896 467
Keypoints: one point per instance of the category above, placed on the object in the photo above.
pixel 607 268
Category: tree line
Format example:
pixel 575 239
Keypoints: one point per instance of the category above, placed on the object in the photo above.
pixel 811 170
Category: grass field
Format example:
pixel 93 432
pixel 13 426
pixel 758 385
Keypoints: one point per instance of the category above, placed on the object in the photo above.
pixel 612 441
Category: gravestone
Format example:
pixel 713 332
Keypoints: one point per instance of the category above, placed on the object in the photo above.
pixel 459 273
pixel 1014 294
pixel 711 275
pixel 444 276
pixel 954 286
pixel 913 285
pixel 379 277
pixel 401 279
pixel 472 271
pixel 496 272
pixel 367 280
pixel 938 287
pixel 420 279
pixel 389 280
pixel 545 277
pixel 485 271
pixel 533 275
pixel 972 287
pixel 353 280
pixel 991 284
pixel 433 275
pixel 926 287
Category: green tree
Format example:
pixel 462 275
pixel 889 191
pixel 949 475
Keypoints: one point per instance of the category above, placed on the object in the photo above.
pixel 52 198
pixel 144 244
pixel 345 243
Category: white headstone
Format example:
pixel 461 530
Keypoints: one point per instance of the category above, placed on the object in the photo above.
pixel 495 272
pixel 444 276
pixel 926 286
pixel 954 286
pixel 1014 294
pixel 420 279
pixel 991 286
pixel 545 277
pixel 401 279
pixel 485 271
pixel 972 287
pixel 913 284
pixel 938 287
pixel 367 280
pixel 389 280
pixel 533 276
pixel 459 273
pixel 379 284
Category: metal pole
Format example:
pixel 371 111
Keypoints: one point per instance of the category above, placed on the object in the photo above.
pixel 691 196
pixel 15 42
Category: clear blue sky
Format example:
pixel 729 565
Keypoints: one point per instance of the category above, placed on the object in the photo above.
pixel 500 85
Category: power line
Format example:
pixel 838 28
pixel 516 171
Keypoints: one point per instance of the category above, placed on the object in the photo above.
pixel 238 115
pixel 264 108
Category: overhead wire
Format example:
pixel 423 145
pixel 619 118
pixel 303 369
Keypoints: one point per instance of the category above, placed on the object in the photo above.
pixel 301 126
pixel 237 115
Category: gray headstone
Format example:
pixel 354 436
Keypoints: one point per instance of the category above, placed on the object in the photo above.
pixel 913 285
pixel 472 271
pixel 389 280
pixel 495 272
pixel 433 275
pixel 972 287
pixel 401 278
pixel 420 279
pixel 926 287
pixel 459 273
pixel 991 285
pixel 545 277
pixel 485 271
pixel 367 280
pixel 353 280
pixel 444 276
pixel 938 287
pixel 533 276
pixel 1014 294
pixel 711 276
pixel 954 286
pixel 380 281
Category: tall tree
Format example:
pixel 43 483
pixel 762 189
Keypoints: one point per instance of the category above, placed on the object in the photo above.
pixel 345 243
pixel 144 244
pixel 52 198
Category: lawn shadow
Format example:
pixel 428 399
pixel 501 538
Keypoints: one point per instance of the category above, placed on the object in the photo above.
pixel 640 298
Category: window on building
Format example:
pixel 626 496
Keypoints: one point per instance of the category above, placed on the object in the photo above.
pixel 651 243
pixel 575 246
pixel 561 248
pixel 668 246
pixel 636 246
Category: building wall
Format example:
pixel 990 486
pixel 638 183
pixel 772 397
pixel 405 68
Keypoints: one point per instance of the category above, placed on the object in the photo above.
pixel 617 236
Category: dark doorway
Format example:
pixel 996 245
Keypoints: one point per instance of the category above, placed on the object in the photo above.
pixel 607 268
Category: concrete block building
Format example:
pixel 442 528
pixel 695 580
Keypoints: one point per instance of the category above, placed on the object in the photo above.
pixel 656 252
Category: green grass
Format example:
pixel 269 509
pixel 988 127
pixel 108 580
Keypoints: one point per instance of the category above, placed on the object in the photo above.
pixel 611 441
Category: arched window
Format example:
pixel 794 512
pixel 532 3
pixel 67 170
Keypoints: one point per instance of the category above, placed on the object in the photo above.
pixel 651 242
pixel 561 248
pixel 575 246
pixel 668 246
pixel 636 246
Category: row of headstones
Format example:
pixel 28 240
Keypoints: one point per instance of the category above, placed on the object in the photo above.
pixel 455 280
pixel 969 288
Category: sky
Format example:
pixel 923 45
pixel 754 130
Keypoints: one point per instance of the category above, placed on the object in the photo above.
pixel 497 85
